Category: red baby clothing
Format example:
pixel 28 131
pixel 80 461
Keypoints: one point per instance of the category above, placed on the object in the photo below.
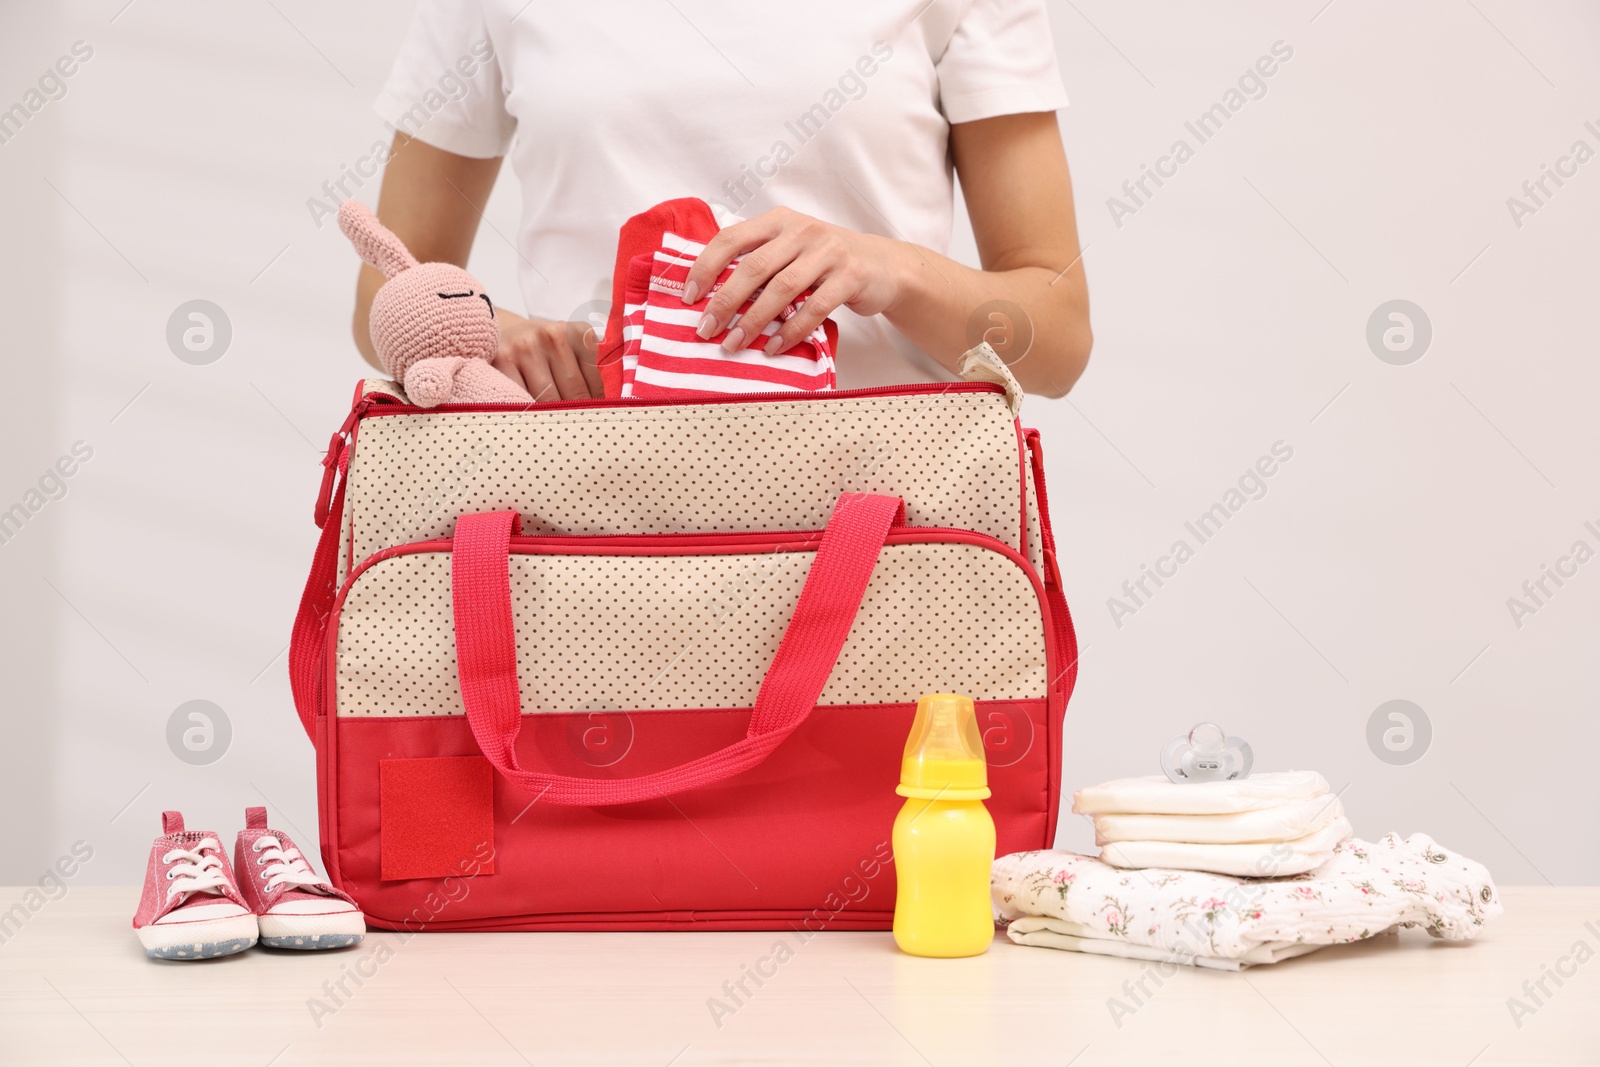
pixel 650 348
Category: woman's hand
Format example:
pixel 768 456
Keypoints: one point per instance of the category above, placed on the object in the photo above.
pixel 551 360
pixel 1014 175
pixel 787 253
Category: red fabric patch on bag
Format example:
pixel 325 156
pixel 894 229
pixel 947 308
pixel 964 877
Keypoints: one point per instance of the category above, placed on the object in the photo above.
pixel 436 817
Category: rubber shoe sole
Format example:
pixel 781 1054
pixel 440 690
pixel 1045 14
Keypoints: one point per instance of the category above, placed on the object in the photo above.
pixel 203 940
pixel 312 932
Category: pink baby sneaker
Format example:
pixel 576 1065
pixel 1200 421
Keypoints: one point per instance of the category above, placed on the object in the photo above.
pixel 294 906
pixel 191 908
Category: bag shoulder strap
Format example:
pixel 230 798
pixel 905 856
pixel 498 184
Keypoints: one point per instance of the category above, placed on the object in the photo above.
pixel 486 653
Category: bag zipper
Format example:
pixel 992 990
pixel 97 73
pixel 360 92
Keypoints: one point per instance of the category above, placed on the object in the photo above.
pixel 394 406
pixel 336 458
pixel 730 543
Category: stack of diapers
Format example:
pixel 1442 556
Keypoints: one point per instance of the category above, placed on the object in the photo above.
pixel 1265 826
pixel 1067 901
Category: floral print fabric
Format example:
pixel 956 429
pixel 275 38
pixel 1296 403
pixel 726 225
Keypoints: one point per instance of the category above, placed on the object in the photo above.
pixel 1193 917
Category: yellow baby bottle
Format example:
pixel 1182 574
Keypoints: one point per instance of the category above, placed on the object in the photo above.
pixel 943 836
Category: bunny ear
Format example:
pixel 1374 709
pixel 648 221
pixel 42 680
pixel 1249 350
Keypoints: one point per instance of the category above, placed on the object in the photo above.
pixel 374 242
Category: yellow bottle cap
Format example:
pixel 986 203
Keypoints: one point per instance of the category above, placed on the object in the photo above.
pixel 944 754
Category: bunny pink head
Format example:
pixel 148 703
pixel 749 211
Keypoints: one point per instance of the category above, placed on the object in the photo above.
pixel 432 325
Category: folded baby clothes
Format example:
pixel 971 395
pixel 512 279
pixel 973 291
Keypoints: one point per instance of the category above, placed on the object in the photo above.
pixel 1044 932
pixel 665 357
pixel 651 347
pixel 1283 823
pixel 1254 859
pixel 1064 900
pixel 1157 795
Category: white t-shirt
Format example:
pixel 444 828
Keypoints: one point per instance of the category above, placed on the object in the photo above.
pixel 836 108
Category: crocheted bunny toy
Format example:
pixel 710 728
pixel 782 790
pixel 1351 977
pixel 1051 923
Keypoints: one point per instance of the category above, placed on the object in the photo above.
pixel 432 324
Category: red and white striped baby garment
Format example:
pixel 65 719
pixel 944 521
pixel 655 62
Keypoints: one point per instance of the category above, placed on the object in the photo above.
pixel 664 357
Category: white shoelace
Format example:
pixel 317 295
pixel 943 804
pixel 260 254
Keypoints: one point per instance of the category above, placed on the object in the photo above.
pixel 196 870
pixel 284 866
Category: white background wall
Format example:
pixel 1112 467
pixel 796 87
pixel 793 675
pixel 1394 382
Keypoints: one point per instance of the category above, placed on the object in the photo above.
pixel 1230 313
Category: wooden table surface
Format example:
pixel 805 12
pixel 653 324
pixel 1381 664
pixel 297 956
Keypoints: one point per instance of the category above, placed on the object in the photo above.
pixel 75 988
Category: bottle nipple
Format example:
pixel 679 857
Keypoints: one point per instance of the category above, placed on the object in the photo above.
pixel 944 757
pixel 1206 754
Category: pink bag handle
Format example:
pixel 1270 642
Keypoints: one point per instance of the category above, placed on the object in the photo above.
pixel 486 652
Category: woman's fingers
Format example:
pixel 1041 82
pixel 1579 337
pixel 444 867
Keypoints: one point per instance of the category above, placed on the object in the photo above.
pixel 728 244
pixel 585 343
pixel 506 363
pixel 539 355
pixel 780 291
pixel 565 369
pixel 818 306
pixel 514 343
pixel 756 269
pixel 782 253
pixel 534 371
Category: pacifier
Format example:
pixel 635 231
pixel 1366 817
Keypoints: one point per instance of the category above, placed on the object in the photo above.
pixel 1206 754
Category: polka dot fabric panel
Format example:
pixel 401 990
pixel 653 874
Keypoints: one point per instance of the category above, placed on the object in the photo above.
pixel 660 632
pixel 695 468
